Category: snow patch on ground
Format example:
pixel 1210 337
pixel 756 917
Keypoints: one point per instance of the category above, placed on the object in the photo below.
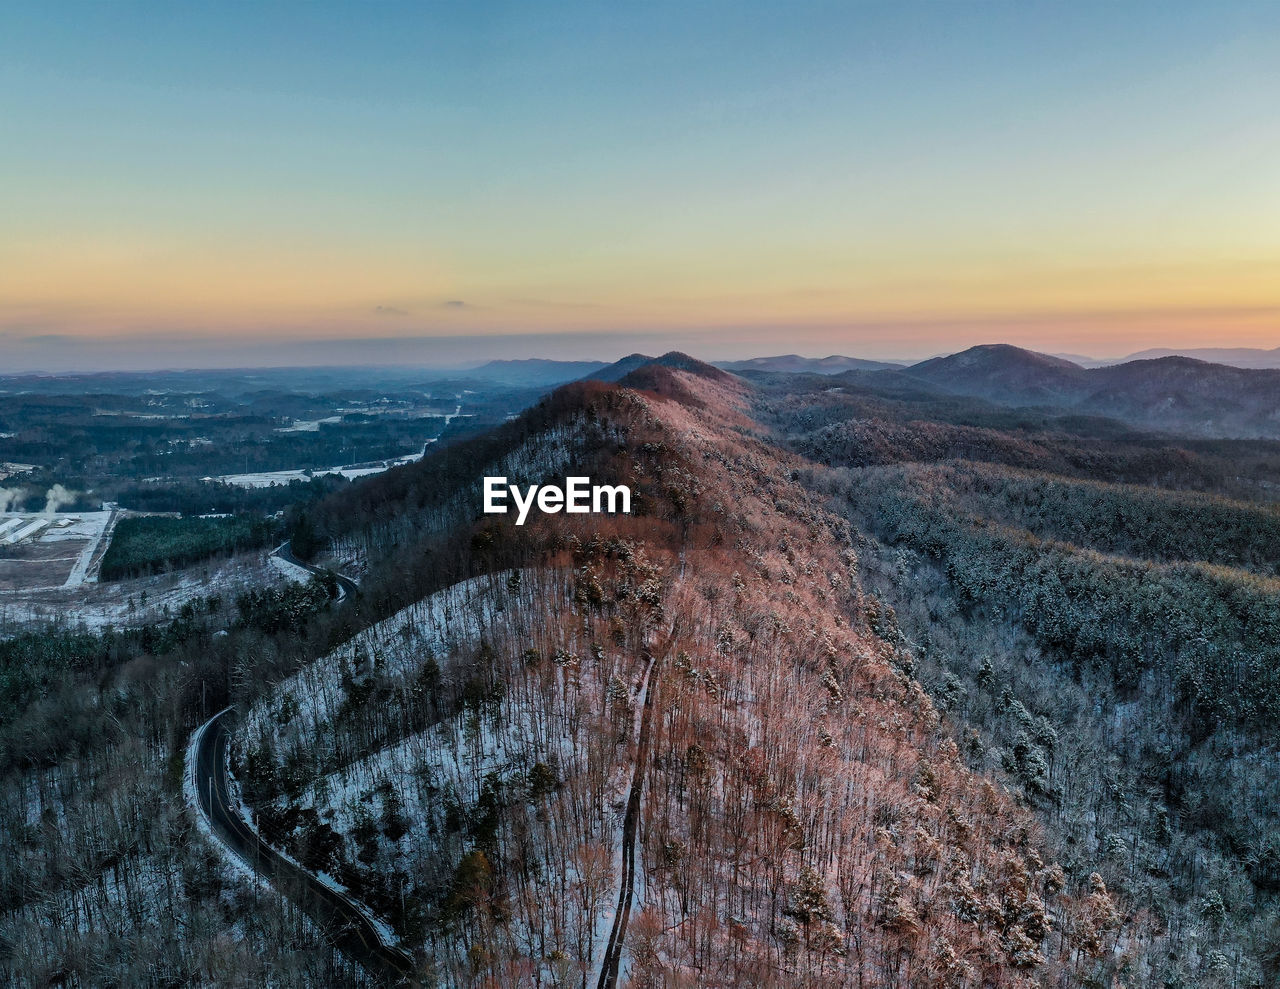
pixel 290 570
pixel 127 603
pixel 80 572
pixel 449 771
pixel 439 624
pixel 309 425
pixel 265 479
pixel 388 936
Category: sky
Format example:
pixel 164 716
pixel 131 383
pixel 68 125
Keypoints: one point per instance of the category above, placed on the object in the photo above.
pixel 230 184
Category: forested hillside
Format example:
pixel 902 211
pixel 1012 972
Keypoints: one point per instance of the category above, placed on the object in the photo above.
pixel 876 419
pixel 1173 394
pixel 860 713
pixel 1109 648
pixel 104 880
pixel 803 818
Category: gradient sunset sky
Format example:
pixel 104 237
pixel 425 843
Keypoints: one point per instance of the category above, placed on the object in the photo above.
pixel 323 182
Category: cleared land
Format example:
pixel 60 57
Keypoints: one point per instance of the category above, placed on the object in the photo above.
pixel 265 479
pixel 143 600
pixel 49 551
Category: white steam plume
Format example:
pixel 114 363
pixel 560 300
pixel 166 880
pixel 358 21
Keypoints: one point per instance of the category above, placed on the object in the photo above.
pixel 56 497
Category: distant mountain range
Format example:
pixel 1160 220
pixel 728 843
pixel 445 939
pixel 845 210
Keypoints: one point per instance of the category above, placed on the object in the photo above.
pixel 796 364
pixel 1246 357
pixel 1178 394
pixel 1155 389
pixel 619 369
pixel 547 373
pixel 535 373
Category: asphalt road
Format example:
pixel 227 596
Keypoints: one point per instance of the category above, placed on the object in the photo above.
pixel 346 924
pixel 347 587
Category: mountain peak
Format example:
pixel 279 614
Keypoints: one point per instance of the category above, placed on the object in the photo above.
pixel 990 353
pixel 673 360
pixel 1000 369
pixel 678 361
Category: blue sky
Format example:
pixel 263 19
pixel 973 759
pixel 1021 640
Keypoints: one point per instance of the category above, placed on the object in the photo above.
pixel 877 179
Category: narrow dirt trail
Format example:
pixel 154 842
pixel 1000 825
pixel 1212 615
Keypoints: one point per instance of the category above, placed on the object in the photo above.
pixel 626 890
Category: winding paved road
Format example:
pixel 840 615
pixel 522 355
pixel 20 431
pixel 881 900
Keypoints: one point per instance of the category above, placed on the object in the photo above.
pixel 346 923
pixel 346 586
